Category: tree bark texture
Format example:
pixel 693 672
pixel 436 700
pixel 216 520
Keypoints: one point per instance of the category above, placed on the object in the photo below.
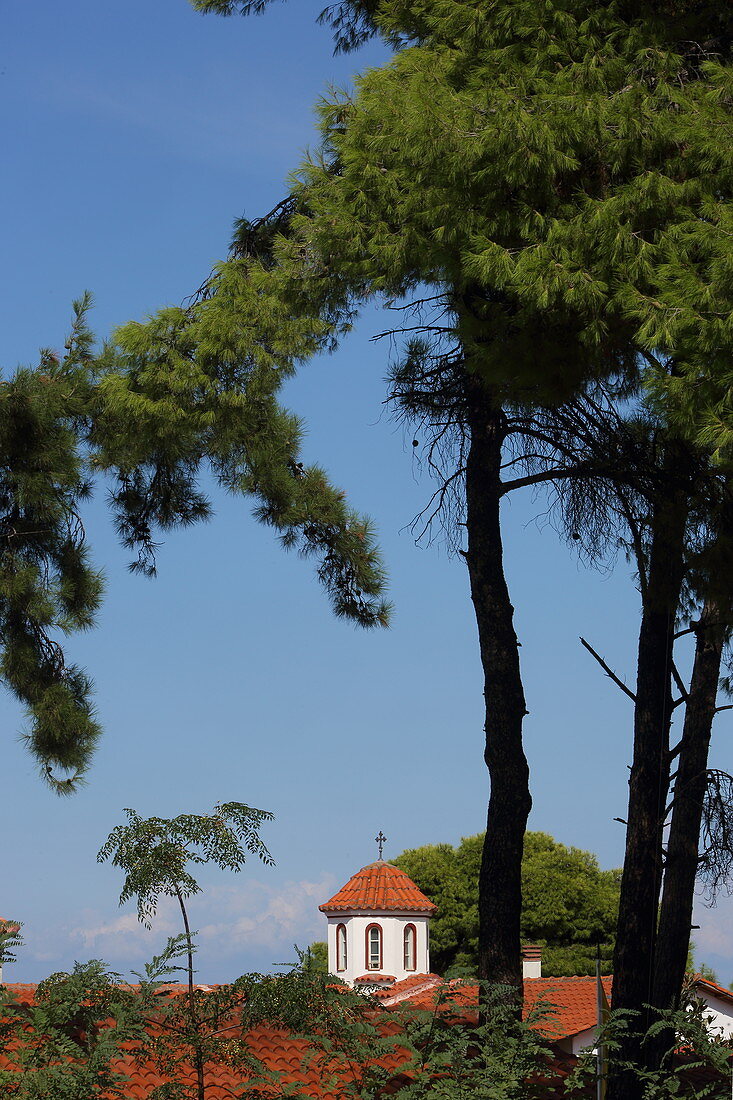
pixel 675 916
pixel 633 962
pixel 500 883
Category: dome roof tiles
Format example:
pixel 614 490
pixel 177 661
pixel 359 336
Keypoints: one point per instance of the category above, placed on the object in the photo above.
pixel 379 887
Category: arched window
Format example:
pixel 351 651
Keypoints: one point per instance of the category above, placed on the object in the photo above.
pixel 374 947
pixel 341 956
pixel 410 947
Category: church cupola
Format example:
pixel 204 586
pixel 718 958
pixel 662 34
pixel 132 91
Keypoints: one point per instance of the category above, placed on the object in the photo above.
pixel 378 927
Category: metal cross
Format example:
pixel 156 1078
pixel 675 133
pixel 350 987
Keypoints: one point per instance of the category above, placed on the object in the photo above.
pixel 381 841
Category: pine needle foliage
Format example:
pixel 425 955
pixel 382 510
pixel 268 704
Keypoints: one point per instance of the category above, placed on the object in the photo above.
pixel 192 391
pixel 48 586
pixel 566 165
pixel 197 388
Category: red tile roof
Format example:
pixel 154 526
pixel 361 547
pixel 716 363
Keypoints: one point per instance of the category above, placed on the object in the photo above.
pixel 298 1065
pixel 378 887
pixel 294 1061
pixel 564 1006
pixel 24 991
pixel 408 988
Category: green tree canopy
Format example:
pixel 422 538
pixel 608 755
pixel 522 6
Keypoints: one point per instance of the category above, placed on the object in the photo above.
pixel 558 176
pixel 569 903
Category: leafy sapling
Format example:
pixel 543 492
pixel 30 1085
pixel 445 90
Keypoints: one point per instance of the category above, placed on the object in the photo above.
pixel 157 855
pixel 10 941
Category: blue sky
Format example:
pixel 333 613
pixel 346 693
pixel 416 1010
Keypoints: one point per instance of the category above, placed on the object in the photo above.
pixel 134 134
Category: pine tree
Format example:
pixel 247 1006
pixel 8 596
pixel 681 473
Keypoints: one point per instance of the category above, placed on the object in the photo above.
pixel 541 169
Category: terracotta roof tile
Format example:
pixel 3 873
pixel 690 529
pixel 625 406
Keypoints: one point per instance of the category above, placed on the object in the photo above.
pixel 408 988
pixel 299 1066
pixel 377 887
pixel 566 1006
pixel 293 1058
pixel 24 991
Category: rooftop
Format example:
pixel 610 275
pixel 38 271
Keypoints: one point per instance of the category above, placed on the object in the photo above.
pixel 378 887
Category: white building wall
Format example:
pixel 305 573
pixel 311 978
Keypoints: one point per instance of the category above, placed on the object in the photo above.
pixel 718 1014
pixel 393 929
pixel 584 1040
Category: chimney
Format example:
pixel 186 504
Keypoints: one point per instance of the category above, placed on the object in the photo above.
pixel 531 961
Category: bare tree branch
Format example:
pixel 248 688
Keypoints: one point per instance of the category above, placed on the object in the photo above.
pixel 609 671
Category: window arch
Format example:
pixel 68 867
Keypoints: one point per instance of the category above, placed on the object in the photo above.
pixel 342 958
pixel 374 947
pixel 409 942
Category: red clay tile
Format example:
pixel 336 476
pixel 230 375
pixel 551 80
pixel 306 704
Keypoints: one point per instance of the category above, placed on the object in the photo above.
pixel 378 887
pixel 567 1005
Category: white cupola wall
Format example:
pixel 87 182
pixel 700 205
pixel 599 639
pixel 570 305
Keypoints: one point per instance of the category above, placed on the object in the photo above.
pixel 378 930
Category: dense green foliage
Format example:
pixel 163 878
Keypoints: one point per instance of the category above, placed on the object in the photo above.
pixel 454 1055
pixel 568 904
pixel 62 1046
pixel 48 586
pixel 550 162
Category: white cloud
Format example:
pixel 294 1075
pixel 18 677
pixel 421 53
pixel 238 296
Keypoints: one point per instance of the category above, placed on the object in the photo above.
pixel 258 916
pixel 253 921
pixel 123 935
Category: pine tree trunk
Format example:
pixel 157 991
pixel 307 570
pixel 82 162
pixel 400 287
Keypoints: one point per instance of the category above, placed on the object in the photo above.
pixel 675 916
pixel 633 961
pixel 500 885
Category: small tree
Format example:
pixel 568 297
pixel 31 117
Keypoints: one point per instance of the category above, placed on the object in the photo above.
pixel 315 958
pixel 10 941
pixel 156 854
